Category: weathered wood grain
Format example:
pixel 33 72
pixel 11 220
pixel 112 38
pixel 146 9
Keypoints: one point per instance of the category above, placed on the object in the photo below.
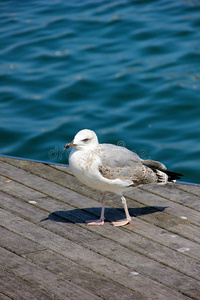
pixel 191 188
pixel 131 241
pixel 43 235
pixel 17 288
pixel 84 256
pixel 177 195
pixel 61 265
pixel 43 278
pixel 4 297
pixel 80 275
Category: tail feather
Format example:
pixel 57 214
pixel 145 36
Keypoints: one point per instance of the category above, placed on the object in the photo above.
pixel 163 175
pixel 172 176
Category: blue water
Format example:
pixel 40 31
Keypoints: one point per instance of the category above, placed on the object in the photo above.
pixel 129 70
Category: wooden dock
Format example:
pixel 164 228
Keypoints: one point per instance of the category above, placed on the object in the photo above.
pixel 47 251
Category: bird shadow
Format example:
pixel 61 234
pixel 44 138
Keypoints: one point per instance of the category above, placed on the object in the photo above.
pixel 82 215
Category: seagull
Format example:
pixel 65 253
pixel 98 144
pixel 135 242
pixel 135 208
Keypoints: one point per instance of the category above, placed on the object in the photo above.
pixel 111 168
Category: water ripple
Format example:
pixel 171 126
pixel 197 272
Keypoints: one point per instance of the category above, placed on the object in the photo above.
pixel 127 69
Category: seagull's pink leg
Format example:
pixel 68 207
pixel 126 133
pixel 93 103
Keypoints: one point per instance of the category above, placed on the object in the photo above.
pixel 128 217
pixel 101 220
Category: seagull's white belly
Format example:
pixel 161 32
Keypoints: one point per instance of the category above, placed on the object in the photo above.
pixel 85 166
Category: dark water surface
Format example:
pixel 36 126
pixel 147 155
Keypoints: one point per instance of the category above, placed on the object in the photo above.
pixel 129 70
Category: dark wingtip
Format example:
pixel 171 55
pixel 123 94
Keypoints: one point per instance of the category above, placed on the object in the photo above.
pixel 173 175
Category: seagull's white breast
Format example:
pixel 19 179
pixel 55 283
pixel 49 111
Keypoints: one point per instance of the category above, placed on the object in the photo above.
pixel 85 166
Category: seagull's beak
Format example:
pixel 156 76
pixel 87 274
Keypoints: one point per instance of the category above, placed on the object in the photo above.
pixel 69 145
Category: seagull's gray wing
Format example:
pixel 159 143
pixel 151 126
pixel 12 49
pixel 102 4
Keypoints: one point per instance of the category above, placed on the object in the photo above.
pixel 117 156
pixel 119 162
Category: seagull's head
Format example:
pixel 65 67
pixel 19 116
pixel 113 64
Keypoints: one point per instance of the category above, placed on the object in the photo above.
pixel 84 140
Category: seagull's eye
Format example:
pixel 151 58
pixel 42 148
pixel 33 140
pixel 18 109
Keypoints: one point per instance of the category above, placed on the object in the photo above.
pixel 85 140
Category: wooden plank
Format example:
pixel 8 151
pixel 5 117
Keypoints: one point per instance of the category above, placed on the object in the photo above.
pixel 177 195
pixel 100 264
pixel 134 228
pixel 74 215
pixel 42 185
pixel 6 183
pixel 17 243
pixel 48 171
pixel 88 279
pixel 54 190
pixel 55 176
pixel 130 240
pixel 191 247
pixel 165 220
pixel 146 252
pixel 175 209
pixel 4 297
pixel 43 278
pixel 165 237
pixel 138 226
pixel 19 289
pixel 190 188
pixel 50 174
pixel 62 266
pixel 82 237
